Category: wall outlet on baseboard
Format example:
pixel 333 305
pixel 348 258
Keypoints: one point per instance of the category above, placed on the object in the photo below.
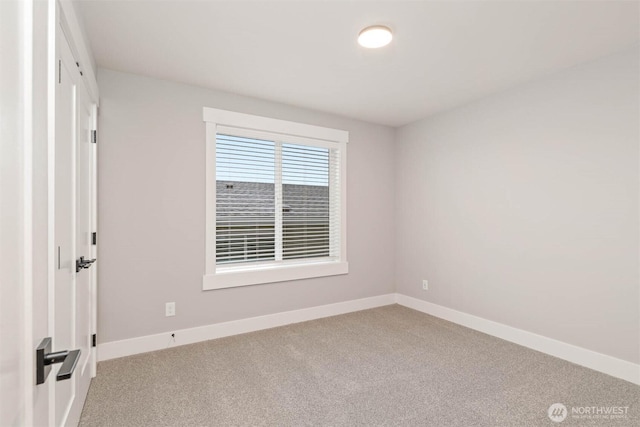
pixel 170 309
pixel 425 285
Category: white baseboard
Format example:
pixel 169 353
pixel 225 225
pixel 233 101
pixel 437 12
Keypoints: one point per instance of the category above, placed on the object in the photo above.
pixel 128 347
pixel 597 361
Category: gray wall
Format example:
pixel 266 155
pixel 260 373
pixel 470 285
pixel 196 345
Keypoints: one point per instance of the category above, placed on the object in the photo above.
pixel 152 211
pixel 522 208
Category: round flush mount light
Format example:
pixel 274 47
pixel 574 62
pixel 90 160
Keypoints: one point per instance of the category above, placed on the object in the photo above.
pixel 375 36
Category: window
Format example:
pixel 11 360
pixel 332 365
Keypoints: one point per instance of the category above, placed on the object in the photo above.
pixel 276 200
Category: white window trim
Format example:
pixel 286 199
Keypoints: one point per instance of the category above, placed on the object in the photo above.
pixel 261 127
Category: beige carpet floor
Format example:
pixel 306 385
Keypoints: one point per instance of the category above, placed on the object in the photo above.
pixel 385 366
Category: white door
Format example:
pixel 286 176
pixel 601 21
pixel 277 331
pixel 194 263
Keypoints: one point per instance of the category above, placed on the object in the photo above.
pixel 26 255
pixel 63 337
pixel 14 353
pixel 47 207
pixel 72 298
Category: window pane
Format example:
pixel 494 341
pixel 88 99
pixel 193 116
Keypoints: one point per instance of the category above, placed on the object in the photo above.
pixel 245 194
pixel 305 193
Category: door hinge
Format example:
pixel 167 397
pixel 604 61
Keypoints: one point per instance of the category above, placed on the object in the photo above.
pixel 94 340
pixel 94 238
pixel 94 136
pixel 59 71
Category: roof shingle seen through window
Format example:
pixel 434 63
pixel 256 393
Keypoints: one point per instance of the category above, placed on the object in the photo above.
pixel 256 199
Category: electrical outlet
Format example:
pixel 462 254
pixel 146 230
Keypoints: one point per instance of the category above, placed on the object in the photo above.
pixel 170 309
pixel 425 285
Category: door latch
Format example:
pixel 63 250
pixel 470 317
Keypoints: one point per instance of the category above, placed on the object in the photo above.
pixel 83 263
pixel 45 358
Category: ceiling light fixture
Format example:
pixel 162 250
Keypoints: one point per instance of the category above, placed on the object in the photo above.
pixel 374 37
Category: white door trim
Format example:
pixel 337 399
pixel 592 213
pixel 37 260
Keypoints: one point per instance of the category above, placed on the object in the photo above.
pixel 94 248
pixel 79 46
pixel 27 207
pixel 51 181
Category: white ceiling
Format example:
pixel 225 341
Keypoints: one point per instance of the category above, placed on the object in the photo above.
pixel 304 53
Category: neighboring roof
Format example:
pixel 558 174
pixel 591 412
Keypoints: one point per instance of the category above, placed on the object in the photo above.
pixel 255 200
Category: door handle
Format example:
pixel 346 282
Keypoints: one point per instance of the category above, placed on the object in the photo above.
pixel 45 358
pixel 83 263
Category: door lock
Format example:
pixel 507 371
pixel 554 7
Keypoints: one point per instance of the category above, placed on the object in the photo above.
pixel 83 263
pixel 45 358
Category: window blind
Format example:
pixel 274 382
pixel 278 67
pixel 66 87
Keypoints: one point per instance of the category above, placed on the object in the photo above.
pixel 245 194
pixel 275 201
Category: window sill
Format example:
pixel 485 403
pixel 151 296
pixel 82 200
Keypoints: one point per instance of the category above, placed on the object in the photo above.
pixel 255 276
